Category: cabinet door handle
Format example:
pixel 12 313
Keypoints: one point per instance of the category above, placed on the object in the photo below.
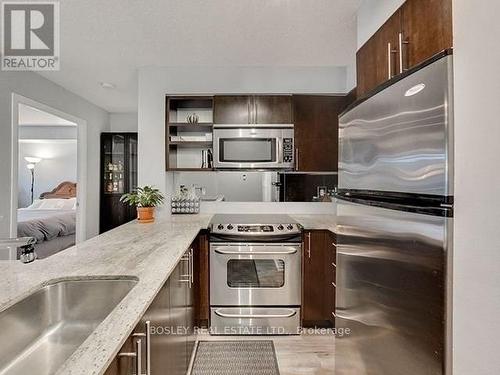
pixel 309 244
pixel 188 277
pixel 148 347
pixel 191 263
pixel 147 340
pixel 296 158
pixel 390 51
pixel 137 355
pixel 334 315
pixel 401 61
pixel 335 285
pixel 138 362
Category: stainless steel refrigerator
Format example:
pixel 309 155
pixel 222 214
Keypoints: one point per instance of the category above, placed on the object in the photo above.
pixel 395 221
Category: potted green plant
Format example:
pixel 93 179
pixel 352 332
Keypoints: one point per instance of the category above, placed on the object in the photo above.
pixel 145 199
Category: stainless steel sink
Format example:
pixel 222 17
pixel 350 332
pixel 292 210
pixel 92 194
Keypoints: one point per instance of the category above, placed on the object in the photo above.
pixel 40 332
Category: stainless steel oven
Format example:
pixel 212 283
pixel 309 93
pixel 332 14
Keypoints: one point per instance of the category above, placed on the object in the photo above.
pixel 255 275
pixel 254 146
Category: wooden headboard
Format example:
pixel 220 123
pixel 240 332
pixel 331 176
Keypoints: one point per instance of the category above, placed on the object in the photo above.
pixel 64 190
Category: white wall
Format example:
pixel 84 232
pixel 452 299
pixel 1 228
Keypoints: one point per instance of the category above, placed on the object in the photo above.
pixel 233 186
pixel 156 82
pixel 38 88
pixel 59 164
pixel 123 122
pixel 477 186
pixel 372 14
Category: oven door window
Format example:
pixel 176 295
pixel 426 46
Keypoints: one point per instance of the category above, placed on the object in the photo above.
pixel 247 150
pixel 255 273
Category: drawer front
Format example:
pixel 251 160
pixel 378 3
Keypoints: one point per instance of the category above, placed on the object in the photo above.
pixel 254 321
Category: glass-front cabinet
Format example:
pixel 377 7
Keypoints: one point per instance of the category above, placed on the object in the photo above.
pixel 118 176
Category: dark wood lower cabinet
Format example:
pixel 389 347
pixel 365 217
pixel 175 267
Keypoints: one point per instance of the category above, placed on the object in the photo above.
pixel 318 286
pixel 332 273
pixel 123 365
pixel 201 284
pixel 168 324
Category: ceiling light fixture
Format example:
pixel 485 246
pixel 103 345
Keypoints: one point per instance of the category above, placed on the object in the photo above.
pixel 107 85
pixel 415 89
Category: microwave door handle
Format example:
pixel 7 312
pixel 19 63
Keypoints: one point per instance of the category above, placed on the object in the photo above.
pixel 279 142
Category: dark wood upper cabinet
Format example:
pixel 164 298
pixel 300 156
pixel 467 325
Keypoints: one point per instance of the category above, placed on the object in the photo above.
pixel 316 131
pixel 232 109
pixel 426 29
pixel 377 60
pixel 253 109
pixel 273 109
pixel 415 32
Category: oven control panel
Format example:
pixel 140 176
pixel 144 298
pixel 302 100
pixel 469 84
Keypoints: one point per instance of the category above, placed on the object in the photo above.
pixel 256 229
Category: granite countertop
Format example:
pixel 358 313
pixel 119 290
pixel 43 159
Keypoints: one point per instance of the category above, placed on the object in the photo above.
pixel 318 222
pixel 149 252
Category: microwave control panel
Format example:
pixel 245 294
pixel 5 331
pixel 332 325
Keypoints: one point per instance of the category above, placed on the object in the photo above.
pixel 288 150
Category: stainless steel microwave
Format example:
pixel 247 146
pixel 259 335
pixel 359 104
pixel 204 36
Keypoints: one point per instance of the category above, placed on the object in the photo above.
pixel 253 146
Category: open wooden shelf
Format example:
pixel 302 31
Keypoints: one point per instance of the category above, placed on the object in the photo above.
pixel 186 153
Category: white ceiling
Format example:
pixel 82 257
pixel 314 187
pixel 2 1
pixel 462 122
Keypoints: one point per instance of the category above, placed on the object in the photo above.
pixel 29 116
pixel 107 41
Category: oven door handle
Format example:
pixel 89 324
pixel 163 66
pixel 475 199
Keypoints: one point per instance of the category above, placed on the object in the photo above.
pixel 251 316
pixel 224 252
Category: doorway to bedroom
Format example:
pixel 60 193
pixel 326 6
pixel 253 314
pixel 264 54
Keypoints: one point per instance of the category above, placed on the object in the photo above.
pixel 48 177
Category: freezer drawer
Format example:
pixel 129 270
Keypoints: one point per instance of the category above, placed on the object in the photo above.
pixel 254 320
pixel 391 291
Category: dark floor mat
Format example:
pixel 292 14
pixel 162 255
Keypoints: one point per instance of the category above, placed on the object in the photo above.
pixel 235 358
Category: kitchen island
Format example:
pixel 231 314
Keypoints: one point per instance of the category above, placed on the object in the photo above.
pixel 148 252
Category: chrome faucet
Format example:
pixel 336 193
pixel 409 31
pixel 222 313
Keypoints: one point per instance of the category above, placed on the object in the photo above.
pixel 26 244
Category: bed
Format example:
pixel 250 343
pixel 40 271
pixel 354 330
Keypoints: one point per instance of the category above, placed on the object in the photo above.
pixel 51 220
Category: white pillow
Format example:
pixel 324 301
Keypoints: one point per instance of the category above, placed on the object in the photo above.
pixel 54 204
pixel 70 204
pixel 36 204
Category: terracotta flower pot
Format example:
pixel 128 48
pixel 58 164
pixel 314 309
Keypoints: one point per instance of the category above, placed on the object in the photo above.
pixel 145 214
